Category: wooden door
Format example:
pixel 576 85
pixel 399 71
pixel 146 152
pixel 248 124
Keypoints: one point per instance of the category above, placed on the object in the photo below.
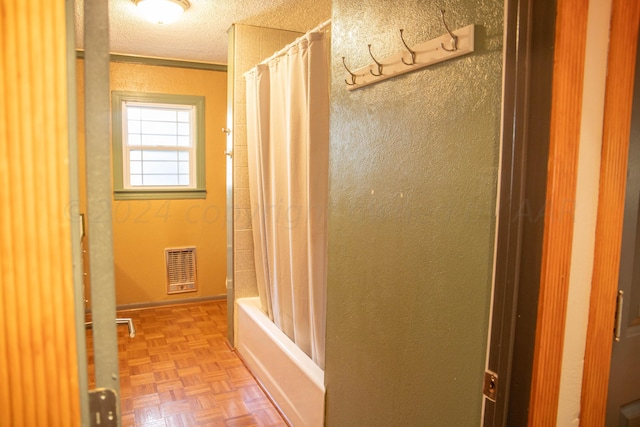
pixel 625 18
pixel 623 402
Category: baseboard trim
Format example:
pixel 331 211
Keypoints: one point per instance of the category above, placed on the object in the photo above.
pixel 143 305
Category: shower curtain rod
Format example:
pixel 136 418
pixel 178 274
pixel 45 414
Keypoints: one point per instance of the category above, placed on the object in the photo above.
pixel 282 51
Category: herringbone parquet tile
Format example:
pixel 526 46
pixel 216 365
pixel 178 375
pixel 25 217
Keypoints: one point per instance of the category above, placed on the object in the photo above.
pixel 179 371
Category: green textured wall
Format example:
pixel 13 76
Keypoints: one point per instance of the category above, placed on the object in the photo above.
pixel 414 164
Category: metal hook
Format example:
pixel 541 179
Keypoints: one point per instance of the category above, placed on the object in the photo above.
pixel 454 38
pixel 413 54
pixel 377 63
pixel 353 76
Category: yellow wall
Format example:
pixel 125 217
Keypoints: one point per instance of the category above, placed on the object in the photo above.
pixel 143 229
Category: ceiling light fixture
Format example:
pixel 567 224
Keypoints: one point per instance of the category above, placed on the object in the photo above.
pixel 161 11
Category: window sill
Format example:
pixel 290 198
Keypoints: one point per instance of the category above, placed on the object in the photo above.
pixel 159 194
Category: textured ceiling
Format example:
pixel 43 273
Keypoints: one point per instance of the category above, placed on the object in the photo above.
pixel 201 32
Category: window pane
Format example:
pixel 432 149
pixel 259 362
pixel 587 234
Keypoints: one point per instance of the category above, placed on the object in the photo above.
pixel 135 167
pixel 184 179
pixel 133 113
pixel 161 180
pixel 134 139
pixel 159 128
pixel 152 155
pixel 183 167
pixel 159 140
pixel 160 168
pixel 135 155
pixel 159 114
pixel 183 156
pixel 136 180
pixel 184 129
pixel 133 126
pixel 184 116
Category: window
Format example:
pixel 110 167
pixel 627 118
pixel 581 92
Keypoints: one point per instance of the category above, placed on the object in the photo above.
pixel 158 146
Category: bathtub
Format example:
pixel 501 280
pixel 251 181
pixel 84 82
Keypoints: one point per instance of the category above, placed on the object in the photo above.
pixel 294 382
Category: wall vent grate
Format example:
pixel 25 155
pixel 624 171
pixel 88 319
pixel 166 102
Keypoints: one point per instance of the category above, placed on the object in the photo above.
pixel 181 270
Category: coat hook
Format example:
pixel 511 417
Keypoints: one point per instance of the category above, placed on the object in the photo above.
pixel 353 76
pixel 454 38
pixel 377 63
pixel 411 52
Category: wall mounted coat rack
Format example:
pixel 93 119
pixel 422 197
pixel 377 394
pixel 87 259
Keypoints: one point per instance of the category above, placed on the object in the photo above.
pixel 448 46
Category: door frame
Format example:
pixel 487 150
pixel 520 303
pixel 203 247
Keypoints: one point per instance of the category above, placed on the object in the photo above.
pixel 76 232
pixel 541 139
pixel 528 78
pixel 99 193
pixel 613 173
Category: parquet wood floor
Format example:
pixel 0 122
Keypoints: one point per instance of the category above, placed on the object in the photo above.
pixel 179 371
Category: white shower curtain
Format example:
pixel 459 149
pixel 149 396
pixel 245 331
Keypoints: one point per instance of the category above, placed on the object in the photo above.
pixel 288 146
